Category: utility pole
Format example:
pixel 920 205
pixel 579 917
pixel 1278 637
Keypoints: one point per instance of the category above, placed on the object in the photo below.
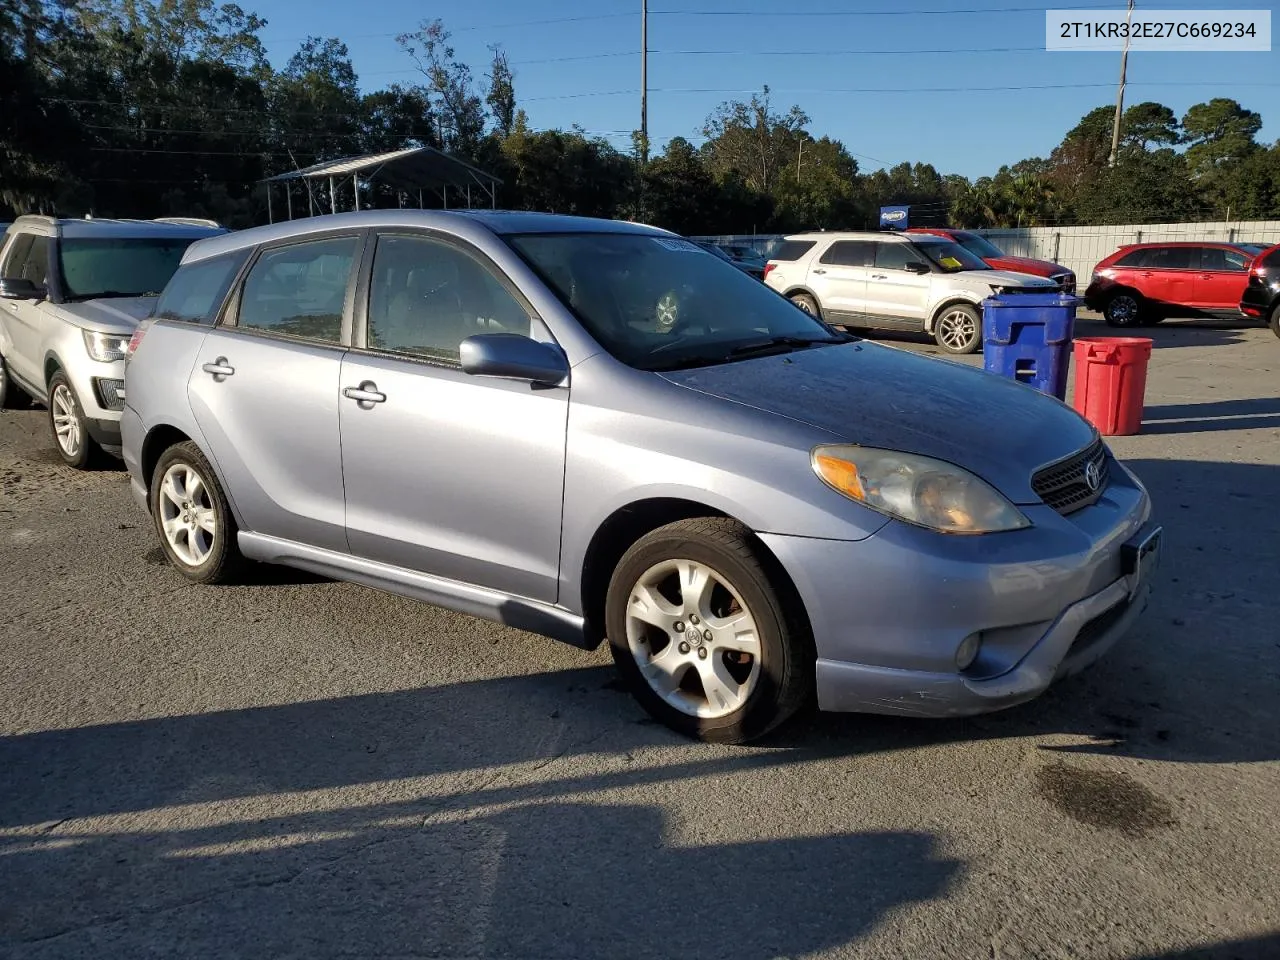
pixel 644 82
pixel 1124 63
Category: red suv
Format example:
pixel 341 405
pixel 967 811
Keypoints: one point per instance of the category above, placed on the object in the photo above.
pixel 997 259
pixel 1144 283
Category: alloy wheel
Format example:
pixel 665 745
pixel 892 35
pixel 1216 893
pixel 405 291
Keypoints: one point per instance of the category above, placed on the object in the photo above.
pixel 66 422
pixel 957 330
pixel 187 516
pixel 693 638
pixel 1122 310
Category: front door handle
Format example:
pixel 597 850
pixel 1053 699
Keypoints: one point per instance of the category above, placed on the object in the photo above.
pixel 819 270
pixel 366 394
pixel 879 276
pixel 219 368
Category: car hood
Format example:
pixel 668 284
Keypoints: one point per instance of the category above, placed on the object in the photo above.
pixel 1041 268
pixel 113 314
pixel 1008 278
pixel 884 397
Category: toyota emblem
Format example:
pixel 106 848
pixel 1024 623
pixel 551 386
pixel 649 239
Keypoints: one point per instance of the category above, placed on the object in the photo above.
pixel 1092 477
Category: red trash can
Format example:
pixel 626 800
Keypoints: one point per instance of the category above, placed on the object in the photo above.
pixel 1111 380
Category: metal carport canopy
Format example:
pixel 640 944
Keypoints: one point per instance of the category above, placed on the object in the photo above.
pixel 410 170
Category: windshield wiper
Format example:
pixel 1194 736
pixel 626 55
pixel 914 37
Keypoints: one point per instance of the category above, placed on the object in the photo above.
pixel 780 345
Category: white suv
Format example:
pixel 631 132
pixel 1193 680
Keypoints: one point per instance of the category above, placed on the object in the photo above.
pixel 892 281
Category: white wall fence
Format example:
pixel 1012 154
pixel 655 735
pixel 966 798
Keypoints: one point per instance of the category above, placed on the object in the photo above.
pixel 1080 248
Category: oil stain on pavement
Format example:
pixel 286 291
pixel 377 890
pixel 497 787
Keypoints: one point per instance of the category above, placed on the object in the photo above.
pixel 1101 798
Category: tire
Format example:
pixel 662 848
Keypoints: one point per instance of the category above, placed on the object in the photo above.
pixel 68 426
pixel 760 684
pixel 1274 322
pixel 958 329
pixel 12 396
pixel 807 304
pixel 184 511
pixel 1125 308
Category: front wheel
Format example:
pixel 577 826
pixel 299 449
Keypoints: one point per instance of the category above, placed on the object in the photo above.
pixel 959 329
pixel 1274 322
pixel 703 632
pixel 1124 309
pixel 196 527
pixel 69 425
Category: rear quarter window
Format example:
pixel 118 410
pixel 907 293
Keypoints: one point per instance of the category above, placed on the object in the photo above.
pixel 792 249
pixel 197 290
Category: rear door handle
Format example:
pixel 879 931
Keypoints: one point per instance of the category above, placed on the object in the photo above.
pixel 819 270
pixel 879 276
pixel 219 368
pixel 365 394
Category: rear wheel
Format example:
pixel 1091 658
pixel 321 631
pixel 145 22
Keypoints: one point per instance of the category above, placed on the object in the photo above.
pixel 1124 309
pixel 70 428
pixel 196 527
pixel 959 329
pixel 704 634
pixel 1275 320
pixel 806 303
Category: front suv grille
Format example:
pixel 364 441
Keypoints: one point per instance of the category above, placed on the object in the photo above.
pixel 1066 486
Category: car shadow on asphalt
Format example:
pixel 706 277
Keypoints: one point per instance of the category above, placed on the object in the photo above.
pixel 1259 414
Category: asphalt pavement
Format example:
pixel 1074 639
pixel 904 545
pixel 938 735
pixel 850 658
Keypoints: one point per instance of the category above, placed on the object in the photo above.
pixel 302 768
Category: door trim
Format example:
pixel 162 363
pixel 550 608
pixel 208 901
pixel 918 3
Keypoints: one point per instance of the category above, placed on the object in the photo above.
pixel 522 613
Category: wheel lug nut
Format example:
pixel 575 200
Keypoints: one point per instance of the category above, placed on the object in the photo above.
pixel 693 618
pixel 684 647
pixel 706 635
pixel 678 626
pixel 702 653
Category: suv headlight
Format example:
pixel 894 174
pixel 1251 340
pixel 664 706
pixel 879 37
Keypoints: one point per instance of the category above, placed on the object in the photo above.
pixel 105 346
pixel 920 490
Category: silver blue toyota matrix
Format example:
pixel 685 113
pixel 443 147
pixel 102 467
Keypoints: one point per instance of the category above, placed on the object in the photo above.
pixel 599 431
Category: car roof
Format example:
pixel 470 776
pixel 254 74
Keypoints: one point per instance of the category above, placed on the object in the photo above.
pixel 1185 243
pixel 468 224
pixel 76 228
pixel 849 235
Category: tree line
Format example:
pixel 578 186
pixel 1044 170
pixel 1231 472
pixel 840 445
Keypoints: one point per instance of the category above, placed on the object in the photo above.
pixel 150 108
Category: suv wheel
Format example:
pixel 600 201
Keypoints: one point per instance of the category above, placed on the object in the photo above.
pixel 67 421
pixel 1124 309
pixel 806 303
pixel 11 395
pixel 958 329
pixel 1275 320
pixel 197 530
pixel 701 633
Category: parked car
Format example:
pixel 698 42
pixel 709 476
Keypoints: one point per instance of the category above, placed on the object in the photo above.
pixel 743 254
pixel 746 267
pixel 997 259
pixel 1261 297
pixel 487 411
pixel 1144 283
pixel 893 281
pixel 71 294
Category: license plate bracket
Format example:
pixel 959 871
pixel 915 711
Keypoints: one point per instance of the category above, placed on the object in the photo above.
pixel 1140 555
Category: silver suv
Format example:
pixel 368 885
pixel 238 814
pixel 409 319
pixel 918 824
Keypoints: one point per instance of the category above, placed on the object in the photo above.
pixel 587 429
pixel 889 281
pixel 71 294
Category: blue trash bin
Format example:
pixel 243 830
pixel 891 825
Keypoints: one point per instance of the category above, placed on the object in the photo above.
pixel 1027 337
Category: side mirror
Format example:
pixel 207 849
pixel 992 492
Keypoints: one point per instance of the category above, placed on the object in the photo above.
pixel 20 288
pixel 915 266
pixel 515 357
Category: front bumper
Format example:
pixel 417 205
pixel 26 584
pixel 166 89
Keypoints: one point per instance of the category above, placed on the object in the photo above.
pixel 1256 301
pixel 889 613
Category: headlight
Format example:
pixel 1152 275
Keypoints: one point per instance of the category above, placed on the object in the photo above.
pixel 920 490
pixel 105 346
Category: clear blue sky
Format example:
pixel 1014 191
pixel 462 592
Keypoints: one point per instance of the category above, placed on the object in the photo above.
pixel 814 53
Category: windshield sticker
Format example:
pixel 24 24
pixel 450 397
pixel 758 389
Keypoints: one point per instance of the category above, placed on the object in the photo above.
pixel 951 263
pixel 679 246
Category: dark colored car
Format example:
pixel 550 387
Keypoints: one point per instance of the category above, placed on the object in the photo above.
pixel 997 259
pixel 1261 297
pixel 746 266
pixel 1144 283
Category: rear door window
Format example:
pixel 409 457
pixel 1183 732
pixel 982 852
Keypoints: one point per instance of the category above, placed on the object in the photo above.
pixel 197 290
pixel 849 253
pixel 300 290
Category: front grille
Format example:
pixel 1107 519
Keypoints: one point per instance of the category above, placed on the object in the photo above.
pixel 1065 485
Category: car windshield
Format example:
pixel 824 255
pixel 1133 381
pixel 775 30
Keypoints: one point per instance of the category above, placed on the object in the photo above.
pixel 659 303
pixel 950 256
pixel 1252 248
pixel 979 245
pixel 93 267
